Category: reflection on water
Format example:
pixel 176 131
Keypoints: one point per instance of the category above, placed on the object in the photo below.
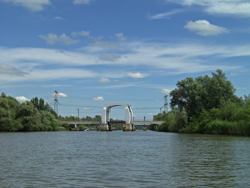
pixel 123 159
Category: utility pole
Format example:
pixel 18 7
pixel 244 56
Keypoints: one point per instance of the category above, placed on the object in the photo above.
pixel 166 103
pixel 161 112
pixel 56 102
pixel 78 113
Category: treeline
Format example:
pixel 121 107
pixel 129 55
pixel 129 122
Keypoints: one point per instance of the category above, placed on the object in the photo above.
pixel 206 105
pixel 87 118
pixel 32 115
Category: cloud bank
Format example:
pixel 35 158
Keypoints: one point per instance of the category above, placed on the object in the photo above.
pixel 33 5
pixel 239 8
pixel 34 64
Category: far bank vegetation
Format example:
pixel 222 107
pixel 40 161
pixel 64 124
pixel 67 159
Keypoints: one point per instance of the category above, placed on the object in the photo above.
pixel 206 105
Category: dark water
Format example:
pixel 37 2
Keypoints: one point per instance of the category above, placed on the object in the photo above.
pixel 123 159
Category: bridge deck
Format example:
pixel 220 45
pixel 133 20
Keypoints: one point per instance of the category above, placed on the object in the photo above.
pixel 98 122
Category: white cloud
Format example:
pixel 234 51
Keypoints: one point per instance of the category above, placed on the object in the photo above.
pixel 78 2
pixel 33 5
pixel 120 37
pixel 98 99
pixel 60 95
pixel 165 15
pixel 82 33
pixel 22 99
pixel 104 80
pixel 58 18
pixel 34 64
pixel 232 8
pixel 166 91
pixel 204 28
pixel 53 38
pixel 137 75
pixel 224 7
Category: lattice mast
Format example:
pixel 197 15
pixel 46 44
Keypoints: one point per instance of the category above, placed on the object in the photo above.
pixel 166 103
pixel 56 102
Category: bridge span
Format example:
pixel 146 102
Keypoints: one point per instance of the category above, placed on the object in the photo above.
pixel 77 123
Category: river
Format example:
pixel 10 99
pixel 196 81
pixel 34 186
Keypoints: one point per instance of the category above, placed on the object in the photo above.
pixel 123 159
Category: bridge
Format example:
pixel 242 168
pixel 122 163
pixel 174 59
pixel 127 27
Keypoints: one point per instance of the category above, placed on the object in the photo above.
pixel 98 123
pixel 106 124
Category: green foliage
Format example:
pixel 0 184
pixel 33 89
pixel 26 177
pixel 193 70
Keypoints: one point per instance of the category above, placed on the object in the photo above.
pixel 61 129
pixel 153 127
pixel 35 102
pixel 174 121
pixel 87 118
pixel 28 116
pixel 66 126
pixel 41 104
pixel 8 107
pixel 210 106
pixel 231 118
pixel 160 116
pixel 203 93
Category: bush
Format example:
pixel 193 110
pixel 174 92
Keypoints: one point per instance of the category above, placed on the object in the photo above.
pixel 174 121
pixel 61 129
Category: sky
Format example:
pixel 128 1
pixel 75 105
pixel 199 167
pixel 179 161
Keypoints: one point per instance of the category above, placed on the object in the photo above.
pixel 95 52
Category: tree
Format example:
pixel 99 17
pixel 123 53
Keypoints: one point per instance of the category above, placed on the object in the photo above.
pixel 203 93
pixel 35 102
pixel 29 117
pixel 41 104
pixel 98 118
pixel 160 116
pixel 8 107
pixel 3 95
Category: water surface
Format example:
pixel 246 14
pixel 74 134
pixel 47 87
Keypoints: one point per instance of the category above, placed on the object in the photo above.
pixel 123 159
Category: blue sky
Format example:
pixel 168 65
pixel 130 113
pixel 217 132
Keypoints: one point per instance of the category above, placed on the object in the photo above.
pixel 131 51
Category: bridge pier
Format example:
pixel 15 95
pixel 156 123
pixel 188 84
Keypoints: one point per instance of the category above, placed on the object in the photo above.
pixel 108 127
pixel 105 127
pixel 128 127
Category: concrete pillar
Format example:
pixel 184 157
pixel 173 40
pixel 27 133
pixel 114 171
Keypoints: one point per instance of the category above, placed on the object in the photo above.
pixel 104 127
pixel 128 127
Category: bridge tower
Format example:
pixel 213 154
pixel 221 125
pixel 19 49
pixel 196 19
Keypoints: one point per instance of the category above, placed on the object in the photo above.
pixel 128 126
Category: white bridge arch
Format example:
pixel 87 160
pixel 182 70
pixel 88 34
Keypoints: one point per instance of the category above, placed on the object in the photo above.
pixel 107 108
